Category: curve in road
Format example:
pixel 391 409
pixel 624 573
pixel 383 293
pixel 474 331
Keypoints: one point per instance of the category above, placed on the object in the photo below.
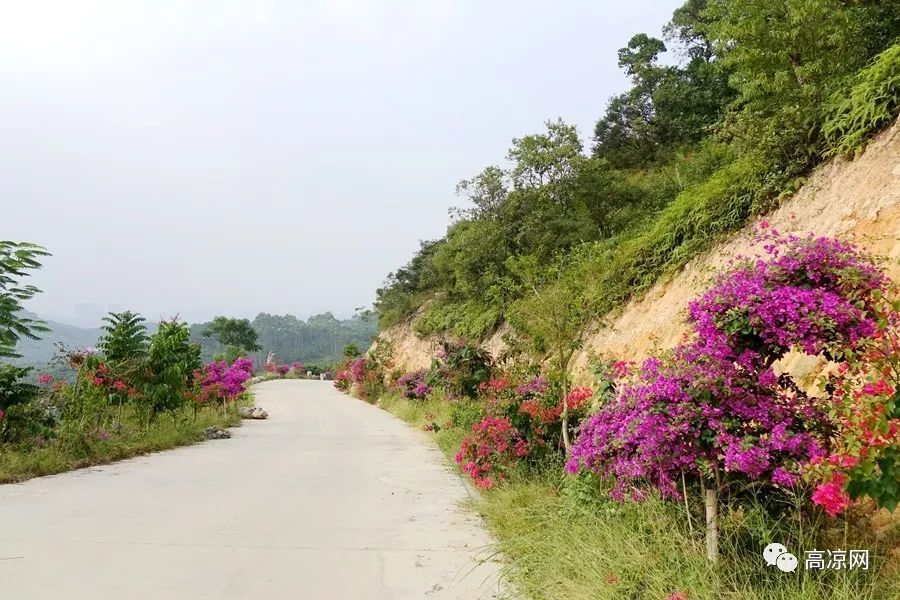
pixel 328 498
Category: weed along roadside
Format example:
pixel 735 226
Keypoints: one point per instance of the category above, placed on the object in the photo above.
pixel 683 469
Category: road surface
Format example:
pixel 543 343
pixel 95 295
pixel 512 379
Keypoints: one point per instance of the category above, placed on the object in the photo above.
pixel 328 498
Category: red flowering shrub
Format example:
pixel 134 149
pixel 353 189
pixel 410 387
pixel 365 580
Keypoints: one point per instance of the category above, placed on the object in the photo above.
pixel 522 423
pixel 865 405
pixel 342 380
pixel 491 451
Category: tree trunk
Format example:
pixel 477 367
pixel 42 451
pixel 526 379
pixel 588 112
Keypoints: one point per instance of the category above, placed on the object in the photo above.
pixel 712 525
pixel 563 365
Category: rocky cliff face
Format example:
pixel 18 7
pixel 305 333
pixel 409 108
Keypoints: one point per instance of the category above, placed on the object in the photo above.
pixel 855 200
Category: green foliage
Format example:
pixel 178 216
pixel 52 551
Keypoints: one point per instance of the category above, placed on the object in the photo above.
pixel 351 351
pixel 459 368
pixel 872 103
pixel 468 320
pixel 125 337
pixel 237 335
pixel 171 362
pixel 687 154
pixel 16 260
pixel 14 392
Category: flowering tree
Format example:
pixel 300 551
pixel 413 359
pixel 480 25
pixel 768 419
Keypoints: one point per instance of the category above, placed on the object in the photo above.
pixel 865 449
pixel 714 409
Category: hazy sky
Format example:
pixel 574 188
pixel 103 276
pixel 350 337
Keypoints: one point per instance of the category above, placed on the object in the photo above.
pixel 235 157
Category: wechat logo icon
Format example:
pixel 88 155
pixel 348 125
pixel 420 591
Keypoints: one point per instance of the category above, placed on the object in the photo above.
pixel 778 556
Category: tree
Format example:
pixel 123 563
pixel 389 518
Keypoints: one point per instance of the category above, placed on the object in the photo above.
pixel 125 338
pixel 237 335
pixel 16 259
pixel 351 351
pixel 556 316
pixel 785 59
pixel 667 106
pixel 171 362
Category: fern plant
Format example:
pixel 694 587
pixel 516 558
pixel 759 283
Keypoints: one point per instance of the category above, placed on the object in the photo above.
pixel 125 338
pixel 872 103
pixel 16 259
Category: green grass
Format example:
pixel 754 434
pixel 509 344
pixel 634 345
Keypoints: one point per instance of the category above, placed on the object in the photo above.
pixel 71 449
pixel 564 539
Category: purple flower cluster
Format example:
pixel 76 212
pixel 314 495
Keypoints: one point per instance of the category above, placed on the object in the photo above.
pixel 413 385
pixel 810 293
pixel 536 387
pixel 224 382
pixel 714 407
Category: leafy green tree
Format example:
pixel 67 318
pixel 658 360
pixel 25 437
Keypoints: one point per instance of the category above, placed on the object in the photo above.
pixel 170 363
pixel 237 335
pixel 15 391
pixel 351 351
pixel 786 59
pixel 125 338
pixel 16 260
pixel 556 316
pixel 667 106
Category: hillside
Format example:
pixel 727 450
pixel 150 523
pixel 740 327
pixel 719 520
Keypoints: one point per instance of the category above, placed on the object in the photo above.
pixel 855 199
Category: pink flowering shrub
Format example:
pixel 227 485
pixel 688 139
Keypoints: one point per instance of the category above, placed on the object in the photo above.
pixel 530 413
pixel 342 380
pixel 703 414
pixel 221 382
pixel 364 376
pixel 413 385
pixel 815 294
pixel 491 451
pixel 713 408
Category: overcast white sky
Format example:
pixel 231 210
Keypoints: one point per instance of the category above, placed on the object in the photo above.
pixel 235 157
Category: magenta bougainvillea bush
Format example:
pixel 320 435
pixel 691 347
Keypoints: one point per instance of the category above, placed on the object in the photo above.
pixel 222 382
pixel 714 408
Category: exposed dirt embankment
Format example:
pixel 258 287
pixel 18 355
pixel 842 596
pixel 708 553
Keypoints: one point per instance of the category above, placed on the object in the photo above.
pixel 853 200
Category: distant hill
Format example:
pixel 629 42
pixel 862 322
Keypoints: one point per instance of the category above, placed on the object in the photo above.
pixel 318 340
pixel 38 353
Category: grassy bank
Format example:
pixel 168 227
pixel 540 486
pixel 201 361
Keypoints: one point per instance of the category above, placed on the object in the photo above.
pixel 72 449
pixel 566 540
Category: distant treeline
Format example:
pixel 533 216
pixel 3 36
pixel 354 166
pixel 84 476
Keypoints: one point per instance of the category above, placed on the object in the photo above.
pixel 318 340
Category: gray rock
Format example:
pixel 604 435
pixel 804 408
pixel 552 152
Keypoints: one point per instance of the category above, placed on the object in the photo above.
pixel 253 412
pixel 214 433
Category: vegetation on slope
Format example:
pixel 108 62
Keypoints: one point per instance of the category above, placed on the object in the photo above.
pixel 762 93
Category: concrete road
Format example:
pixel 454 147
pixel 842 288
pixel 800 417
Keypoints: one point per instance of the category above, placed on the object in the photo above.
pixel 328 498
